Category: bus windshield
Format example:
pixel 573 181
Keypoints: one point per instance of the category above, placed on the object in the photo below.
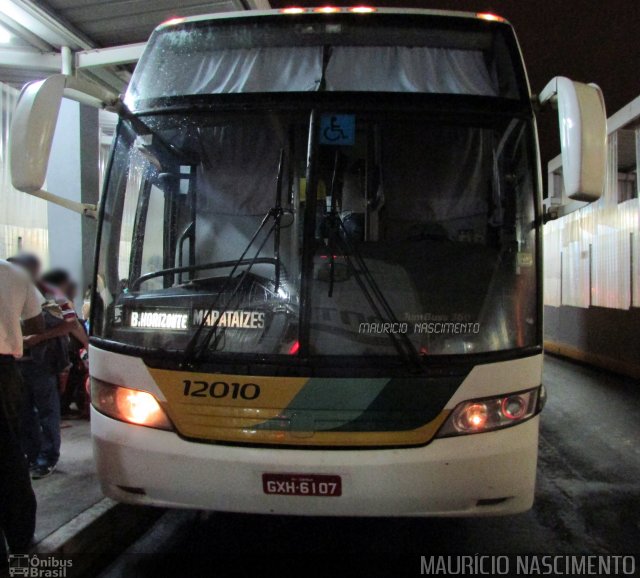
pixel 413 234
pixel 386 53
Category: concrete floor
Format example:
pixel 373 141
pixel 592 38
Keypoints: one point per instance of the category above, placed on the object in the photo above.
pixel 73 486
pixel 588 501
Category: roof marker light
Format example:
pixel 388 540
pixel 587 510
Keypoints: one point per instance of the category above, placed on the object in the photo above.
pixel 491 17
pixel 362 9
pixel 292 10
pixel 173 21
pixel 327 9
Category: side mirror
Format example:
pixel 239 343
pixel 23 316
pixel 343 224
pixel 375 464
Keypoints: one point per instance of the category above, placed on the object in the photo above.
pixel 32 130
pixel 583 136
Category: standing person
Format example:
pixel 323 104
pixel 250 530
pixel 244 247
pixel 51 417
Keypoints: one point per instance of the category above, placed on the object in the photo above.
pixel 46 355
pixel 19 300
pixel 71 383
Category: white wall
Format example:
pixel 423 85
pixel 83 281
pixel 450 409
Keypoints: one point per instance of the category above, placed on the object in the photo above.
pixel 64 179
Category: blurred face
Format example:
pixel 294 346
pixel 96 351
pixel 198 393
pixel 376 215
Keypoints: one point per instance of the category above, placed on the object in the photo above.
pixel 34 270
pixel 70 289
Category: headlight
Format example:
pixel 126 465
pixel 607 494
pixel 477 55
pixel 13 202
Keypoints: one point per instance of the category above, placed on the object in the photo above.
pixel 130 405
pixel 488 414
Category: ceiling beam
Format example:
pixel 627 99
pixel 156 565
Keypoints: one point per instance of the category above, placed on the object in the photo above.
pixel 25 34
pixel 114 55
pixel 32 17
pixel 98 57
pixel 30 60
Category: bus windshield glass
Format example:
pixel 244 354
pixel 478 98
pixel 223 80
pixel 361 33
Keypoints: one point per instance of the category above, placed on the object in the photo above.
pixel 412 235
pixel 386 53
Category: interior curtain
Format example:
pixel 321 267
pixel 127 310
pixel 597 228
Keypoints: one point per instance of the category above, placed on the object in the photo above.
pixel 299 69
pixel 23 218
pixel 273 69
pixel 409 69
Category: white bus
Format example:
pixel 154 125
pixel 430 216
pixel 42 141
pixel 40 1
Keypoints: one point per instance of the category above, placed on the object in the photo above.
pixel 318 265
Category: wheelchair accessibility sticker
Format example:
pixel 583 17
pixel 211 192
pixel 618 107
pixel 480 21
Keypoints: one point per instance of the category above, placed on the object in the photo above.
pixel 338 129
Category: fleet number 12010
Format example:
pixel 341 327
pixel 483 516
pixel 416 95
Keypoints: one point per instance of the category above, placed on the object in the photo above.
pixel 221 389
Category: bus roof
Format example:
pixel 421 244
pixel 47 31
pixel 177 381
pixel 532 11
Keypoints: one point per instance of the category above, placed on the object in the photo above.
pixel 299 11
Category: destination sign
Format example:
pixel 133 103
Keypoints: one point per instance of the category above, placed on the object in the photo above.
pixel 179 320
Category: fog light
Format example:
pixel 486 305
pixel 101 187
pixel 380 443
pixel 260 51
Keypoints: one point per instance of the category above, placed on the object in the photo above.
pixel 130 405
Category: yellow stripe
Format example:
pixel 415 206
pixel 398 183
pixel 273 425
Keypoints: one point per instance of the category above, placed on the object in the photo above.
pixel 276 394
pixel 416 437
pixel 235 420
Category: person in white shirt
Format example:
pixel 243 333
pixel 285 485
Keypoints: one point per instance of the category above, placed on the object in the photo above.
pixel 20 302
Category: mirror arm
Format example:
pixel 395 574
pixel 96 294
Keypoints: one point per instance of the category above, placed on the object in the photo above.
pixel 549 94
pixel 85 209
pixel 86 92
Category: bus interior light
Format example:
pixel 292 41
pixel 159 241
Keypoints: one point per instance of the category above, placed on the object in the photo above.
pixel 292 10
pixel 327 10
pixel 362 9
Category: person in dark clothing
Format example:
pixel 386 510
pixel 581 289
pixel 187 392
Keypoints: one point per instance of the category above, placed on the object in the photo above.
pixel 71 382
pixel 46 355
pixel 20 301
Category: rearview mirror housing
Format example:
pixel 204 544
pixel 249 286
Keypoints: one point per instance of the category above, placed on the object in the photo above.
pixel 33 127
pixel 583 136
pixel 32 130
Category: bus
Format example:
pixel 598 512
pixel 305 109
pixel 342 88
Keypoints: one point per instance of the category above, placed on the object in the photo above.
pixel 318 268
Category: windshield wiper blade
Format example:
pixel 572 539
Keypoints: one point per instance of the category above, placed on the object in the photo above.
pixel 372 292
pixel 192 344
pixel 338 235
pixel 278 218
pixel 274 213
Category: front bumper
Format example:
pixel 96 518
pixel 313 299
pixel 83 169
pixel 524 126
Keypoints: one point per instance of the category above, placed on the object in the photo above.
pixel 483 474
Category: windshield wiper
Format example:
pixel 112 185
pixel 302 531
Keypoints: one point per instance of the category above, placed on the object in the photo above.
pixel 371 290
pixel 339 236
pixel 278 218
pixel 274 213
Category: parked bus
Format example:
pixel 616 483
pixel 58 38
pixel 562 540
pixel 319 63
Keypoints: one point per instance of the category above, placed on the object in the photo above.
pixel 318 273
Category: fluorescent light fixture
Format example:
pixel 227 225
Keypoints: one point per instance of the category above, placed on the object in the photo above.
pixel 5 35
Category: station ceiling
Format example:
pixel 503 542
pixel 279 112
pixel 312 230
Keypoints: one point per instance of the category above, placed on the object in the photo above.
pixel 585 40
pixel 113 22
pixel 38 29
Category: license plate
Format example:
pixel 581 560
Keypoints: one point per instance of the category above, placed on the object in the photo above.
pixel 302 485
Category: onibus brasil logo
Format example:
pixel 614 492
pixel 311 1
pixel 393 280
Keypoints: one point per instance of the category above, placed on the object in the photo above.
pixel 31 565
